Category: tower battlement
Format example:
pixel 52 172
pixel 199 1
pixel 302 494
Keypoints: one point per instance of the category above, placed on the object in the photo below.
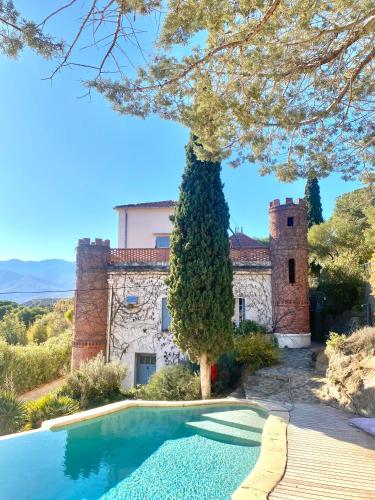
pixel 276 204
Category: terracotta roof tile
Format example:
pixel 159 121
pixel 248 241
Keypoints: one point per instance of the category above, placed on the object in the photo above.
pixel 241 240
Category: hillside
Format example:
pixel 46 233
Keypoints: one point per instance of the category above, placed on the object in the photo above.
pixel 40 278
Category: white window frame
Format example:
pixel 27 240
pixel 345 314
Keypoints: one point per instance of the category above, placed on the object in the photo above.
pixel 240 310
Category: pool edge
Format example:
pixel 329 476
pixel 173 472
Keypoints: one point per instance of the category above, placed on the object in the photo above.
pixel 271 464
pixel 138 403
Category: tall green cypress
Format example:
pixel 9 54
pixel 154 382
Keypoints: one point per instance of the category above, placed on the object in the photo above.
pixel 200 298
pixel 313 202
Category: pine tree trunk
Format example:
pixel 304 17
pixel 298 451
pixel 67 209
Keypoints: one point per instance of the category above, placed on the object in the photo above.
pixel 205 372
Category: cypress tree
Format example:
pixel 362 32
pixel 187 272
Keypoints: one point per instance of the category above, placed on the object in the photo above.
pixel 313 202
pixel 200 298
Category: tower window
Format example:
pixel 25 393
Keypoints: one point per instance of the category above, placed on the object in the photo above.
pixel 292 270
pixel 290 221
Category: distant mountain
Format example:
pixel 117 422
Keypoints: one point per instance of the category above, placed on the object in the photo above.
pixel 40 278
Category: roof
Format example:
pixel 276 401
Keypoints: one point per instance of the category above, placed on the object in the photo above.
pixel 149 204
pixel 241 240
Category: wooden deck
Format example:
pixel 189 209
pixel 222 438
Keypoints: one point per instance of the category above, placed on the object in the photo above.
pixel 328 459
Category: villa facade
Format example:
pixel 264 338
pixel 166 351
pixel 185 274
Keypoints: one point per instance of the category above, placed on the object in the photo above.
pixel 121 295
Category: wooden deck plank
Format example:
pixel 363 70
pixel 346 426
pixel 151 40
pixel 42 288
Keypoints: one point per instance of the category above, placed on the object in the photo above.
pixel 327 457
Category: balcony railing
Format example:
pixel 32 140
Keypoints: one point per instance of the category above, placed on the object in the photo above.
pixel 241 256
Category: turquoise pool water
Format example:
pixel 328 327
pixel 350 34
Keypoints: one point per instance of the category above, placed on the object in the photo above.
pixel 201 452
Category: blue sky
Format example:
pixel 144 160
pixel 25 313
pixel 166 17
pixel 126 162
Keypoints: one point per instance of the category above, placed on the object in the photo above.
pixel 65 162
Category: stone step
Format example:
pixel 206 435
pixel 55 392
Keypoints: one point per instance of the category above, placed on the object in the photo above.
pixel 227 433
pixel 242 419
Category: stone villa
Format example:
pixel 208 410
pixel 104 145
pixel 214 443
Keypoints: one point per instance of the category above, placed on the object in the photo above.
pixel 120 299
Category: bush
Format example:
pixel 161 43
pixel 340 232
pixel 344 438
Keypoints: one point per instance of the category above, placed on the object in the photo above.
pixel 50 406
pixel 95 383
pixel 38 330
pixel 340 289
pixel 173 383
pixel 360 341
pixel 336 341
pixel 12 413
pixel 13 330
pixel 247 327
pixel 32 365
pixel 229 372
pixel 254 351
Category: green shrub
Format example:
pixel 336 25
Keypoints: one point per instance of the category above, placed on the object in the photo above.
pixel 32 365
pixel 255 351
pixel 95 383
pixel 336 341
pixel 13 330
pixel 247 327
pixel 172 383
pixel 12 412
pixel 50 406
pixel 38 330
pixel 341 289
pixel 229 371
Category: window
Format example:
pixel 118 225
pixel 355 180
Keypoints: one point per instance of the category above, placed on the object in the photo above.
pixel 165 317
pixel 292 270
pixel 290 221
pixel 241 310
pixel 162 242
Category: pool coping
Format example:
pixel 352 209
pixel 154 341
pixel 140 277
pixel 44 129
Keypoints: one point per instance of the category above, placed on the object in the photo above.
pixel 270 466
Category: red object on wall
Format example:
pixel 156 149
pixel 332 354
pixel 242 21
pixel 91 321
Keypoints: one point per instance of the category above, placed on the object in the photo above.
pixel 213 373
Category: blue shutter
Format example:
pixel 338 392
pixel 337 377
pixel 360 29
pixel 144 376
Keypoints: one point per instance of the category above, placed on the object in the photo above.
pixel 165 317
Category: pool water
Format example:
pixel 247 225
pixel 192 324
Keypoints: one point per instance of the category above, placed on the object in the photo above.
pixel 200 452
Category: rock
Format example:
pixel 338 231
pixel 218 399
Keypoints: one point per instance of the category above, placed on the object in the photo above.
pixel 351 381
pixel 321 361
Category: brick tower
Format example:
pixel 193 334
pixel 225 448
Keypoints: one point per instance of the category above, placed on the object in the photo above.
pixel 91 300
pixel 289 259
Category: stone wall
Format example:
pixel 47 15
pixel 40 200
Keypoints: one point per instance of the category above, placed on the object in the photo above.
pixel 255 287
pixel 138 329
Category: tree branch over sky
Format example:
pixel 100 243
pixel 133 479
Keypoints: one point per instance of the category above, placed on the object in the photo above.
pixel 285 84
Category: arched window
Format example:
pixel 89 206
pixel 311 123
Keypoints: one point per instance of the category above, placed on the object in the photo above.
pixel 292 270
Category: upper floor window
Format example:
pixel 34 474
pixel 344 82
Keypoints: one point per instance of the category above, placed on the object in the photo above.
pixel 165 316
pixel 290 221
pixel 292 270
pixel 162 242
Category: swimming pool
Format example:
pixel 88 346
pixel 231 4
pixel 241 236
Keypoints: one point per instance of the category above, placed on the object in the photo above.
pixel 196 452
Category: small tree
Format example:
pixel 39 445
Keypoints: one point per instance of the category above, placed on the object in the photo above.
pixel 201 299
pixel 313 202
pixel 13 330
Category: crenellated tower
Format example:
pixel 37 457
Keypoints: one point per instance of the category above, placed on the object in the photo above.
pixel 90 300
pixel 289 260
